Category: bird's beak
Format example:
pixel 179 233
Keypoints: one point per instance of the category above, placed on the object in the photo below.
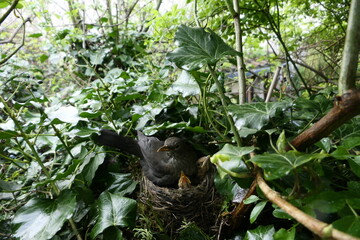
pixel 164 148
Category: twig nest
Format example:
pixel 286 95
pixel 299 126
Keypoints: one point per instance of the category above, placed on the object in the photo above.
pixel 199 204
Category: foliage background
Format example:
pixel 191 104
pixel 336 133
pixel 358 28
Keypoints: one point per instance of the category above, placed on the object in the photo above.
pixel 115 64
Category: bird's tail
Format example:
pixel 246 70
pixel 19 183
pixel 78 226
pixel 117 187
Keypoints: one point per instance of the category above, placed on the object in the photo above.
pixel 112 139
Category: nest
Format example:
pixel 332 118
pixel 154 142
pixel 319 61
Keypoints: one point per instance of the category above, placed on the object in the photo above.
pixel 198 204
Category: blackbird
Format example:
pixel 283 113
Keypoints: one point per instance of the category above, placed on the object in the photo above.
pixel 162 161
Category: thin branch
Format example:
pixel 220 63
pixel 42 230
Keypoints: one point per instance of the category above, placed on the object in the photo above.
pixel 320 74
pixel 350 57
pixel 273 84
pixel 2 61
pixel 15 32
pixel 6 14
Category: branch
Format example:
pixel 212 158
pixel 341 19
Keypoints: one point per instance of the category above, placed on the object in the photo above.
pixel 345 108
pixel 12 7
pixel 320 74
pixel 318 227
pixel 2 61
pixel 350 57
pixel 16 32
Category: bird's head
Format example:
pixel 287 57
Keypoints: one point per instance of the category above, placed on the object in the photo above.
pixel 171 144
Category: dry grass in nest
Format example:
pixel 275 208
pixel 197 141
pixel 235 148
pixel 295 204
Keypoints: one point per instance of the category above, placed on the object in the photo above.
pixel 199 204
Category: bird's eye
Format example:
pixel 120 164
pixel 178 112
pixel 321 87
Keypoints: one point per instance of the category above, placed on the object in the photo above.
pixel 177 146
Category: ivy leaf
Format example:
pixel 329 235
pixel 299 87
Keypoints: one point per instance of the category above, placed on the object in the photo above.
pixel 348 224
pixel 251 199
pixel 98 57
pixel 42 218
pixel 198 47
pixel 67 114
pixel 257 210
pixel 255 115
pixel 328 201
pixel 355 165
pixel 279 165
pixel 229 159
pixel 349 133
pixel 284 234
pixel 122 183
pixel 114 210
pixel 260 233
pixel 89 170
pixel 186 85
pixel 192 232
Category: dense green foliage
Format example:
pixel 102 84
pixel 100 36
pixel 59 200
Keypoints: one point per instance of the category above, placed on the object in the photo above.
pixel 67 83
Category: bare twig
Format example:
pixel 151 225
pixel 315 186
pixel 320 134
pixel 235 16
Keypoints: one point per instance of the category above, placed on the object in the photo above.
pixel 2 61
pixel 273 84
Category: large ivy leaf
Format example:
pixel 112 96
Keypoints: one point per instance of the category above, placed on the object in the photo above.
pixel 198 47
pixel 229 160
pixel 255 115
pixel 42 218
pixel 114 210
pixel 279 165
pixel 260 233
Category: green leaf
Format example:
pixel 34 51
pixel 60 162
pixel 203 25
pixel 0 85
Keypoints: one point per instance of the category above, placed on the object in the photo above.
pixel 113 233
pixel 260 233
pixel 349 133
pixel 9 186
pixel 7 134
pixel 192 232
pixel 351 142
pixel 89 170
pixel 35 35
pixel 284 234
pixel 228 188
pixel 348 224
pixel 4 4
pixel 355 165
pixel 43 58
pixel 42 218
pixel 281 143
pixel 97 57
pixel 63 114
pixel 279 165
pixel 122 183
pixel 257 210
pixel 255 115
pixel 279 213
pixel 198 47
pixel 328 201
pixel 186 85
pixel 229 159
pixel 251 199
pixel 114 210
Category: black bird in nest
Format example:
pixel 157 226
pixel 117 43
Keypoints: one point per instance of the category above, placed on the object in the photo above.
pixel 165 163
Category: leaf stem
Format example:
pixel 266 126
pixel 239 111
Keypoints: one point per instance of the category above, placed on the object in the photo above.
pixel 223 102
pixel 31 146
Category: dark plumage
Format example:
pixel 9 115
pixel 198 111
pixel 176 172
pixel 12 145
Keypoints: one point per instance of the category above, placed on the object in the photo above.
pixel 161 161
